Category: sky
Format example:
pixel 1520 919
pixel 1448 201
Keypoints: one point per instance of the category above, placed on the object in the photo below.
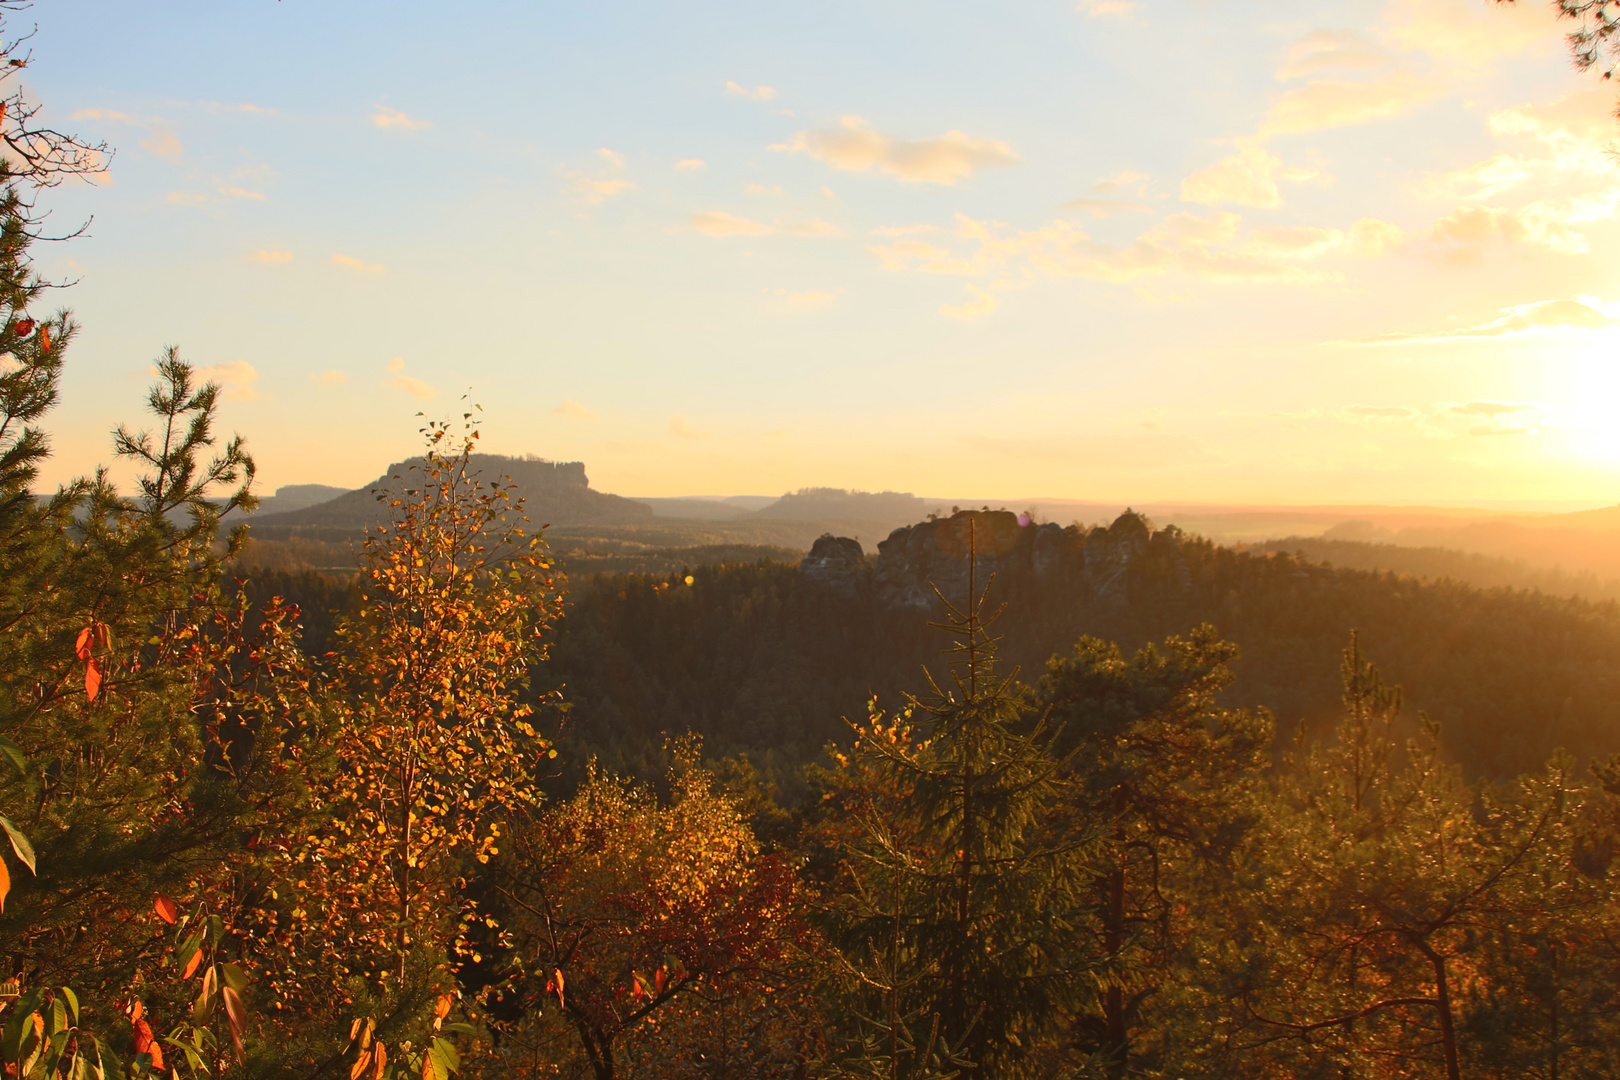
pixel 1197 250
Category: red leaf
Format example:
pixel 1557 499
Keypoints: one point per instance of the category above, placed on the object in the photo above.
pixel 92 678
pixel 165 909
pixel 24 327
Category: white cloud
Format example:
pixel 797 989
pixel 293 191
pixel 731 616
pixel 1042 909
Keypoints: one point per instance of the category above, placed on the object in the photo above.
pixel 359 266
pixel 271 255
pixel 574 411
pixel 388 118
pixel 854 147
pixel 1334 103
pixel 681 429
pixel 237 377
pixel 612 157
pixel 758 93
pixel 329 377
pixel 980 304
pixel 720 223
pixel 690 163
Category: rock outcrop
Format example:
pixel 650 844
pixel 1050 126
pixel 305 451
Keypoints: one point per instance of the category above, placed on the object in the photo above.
pixel 1095 566
pixel 836 562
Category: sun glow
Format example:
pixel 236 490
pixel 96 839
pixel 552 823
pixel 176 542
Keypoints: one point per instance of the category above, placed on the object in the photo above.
pixel 1594 398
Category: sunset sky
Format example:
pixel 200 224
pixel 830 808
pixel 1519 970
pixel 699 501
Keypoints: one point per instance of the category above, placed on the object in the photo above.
pixel 1206 250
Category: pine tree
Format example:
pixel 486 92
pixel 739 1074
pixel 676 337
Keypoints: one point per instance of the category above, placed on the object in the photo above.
pixel 1170 775
pixel 959 915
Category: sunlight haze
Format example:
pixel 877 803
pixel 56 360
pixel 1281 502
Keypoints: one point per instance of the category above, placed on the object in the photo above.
pixel 1114 250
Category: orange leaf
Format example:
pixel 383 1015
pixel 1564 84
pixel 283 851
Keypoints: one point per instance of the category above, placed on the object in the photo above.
pixel 441 1008
pixel 237 1015
pixel 92 678
pixel 378 1060
pixel 5 884
pixel 85 642
pixel 45 343
pixel 146 1044
pixel 136 1011
pixel 191 965
pixel 165 908
pixel 360 1064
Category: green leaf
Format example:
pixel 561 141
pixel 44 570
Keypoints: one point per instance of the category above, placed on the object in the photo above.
pixel 11 1034
pixel 56 1022
pixel 72 1000
pixel 20 844
pixel 11 753
pixel 235 977
pixel 447 1051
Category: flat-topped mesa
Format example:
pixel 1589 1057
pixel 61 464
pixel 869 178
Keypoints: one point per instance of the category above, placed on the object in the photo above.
pixel 557 492
pixel 1092 566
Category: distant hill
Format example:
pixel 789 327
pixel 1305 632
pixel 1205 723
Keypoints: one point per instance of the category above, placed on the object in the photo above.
pixel 556 493
pixel 837 504
pixel 1435 564
pixel 291 497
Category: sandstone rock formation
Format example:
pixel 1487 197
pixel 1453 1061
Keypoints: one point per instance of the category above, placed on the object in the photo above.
pixel 1090 567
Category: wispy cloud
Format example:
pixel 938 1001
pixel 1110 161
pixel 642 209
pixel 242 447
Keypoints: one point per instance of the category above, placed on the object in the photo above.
pixel 981 303
pixel 396 120
pixel 271 255
pixel 758 93
pixel 854 147
pixel 165 144
pixel 595 192
pixel 574 411
pixel 720 223
pixel 1331 50
pixel 682 429
pixel 409 384
pixel 1106 208
pixel 612 157
pixel 241 193
pixel 1334 103
pixel 1097 9
pixel 690 163
pixel 237 377
pixel 796 302
pixel 359 266
pixel 1583 313
pixel 329 377
pixel 1247 178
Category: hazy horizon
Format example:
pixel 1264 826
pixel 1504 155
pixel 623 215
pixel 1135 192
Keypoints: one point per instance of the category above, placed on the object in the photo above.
pixel 1119 250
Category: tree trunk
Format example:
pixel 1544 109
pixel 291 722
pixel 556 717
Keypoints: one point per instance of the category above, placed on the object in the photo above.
pixel 1442 1005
